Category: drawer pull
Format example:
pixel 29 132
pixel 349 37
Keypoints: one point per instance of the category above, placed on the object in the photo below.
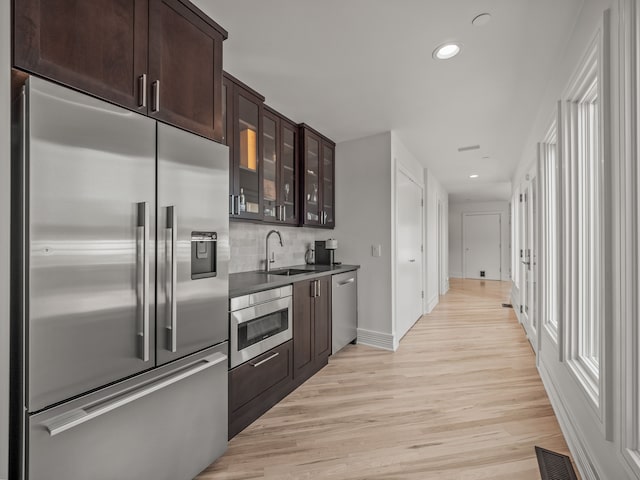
pixel 257 364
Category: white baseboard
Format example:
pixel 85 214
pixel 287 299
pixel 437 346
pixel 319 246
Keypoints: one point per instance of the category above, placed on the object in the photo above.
pixel 372 338
pixel 433 301
pixel 456 275
pixel 444 288
pixel 571 434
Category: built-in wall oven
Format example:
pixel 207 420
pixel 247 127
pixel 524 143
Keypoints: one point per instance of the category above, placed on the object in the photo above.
pixel 259 322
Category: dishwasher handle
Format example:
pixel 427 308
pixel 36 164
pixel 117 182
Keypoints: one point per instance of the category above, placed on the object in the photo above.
pixel 346 282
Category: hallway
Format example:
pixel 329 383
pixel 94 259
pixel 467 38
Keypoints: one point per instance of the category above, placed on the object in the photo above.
pixel 460 399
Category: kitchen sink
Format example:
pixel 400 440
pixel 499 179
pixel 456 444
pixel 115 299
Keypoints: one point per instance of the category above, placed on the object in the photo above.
pixel 287 271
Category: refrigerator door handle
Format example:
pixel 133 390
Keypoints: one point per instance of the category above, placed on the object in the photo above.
pixel 172 327
pixel 78 417
pixel 143 223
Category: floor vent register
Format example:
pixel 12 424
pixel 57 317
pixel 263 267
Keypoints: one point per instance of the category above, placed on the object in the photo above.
pixel 554 466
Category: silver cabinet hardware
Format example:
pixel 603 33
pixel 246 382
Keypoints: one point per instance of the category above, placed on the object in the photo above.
pixel 142 89
pixel 270 357
pixel 155 87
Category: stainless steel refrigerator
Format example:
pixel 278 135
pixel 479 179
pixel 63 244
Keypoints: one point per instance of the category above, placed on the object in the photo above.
pixel 120 292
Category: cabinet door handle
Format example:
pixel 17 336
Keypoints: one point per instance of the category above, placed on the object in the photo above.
pixel 142 90
pixel 270 357
pixel 317 288
pixel 155 86
pixel 312 286
pixel 231 204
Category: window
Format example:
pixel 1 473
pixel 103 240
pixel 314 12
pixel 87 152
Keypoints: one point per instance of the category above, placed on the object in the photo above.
pixel 548 151
pixel 583 225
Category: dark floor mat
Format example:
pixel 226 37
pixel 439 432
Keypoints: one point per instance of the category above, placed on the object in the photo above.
pixel 554 466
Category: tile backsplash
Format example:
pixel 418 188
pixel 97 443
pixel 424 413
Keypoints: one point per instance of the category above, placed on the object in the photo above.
pixel 248 245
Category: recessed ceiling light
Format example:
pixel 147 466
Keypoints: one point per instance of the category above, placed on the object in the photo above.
pixel 475 175
pixel 481 20
pixel 447 51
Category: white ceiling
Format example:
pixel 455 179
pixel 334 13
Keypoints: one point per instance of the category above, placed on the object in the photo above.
pixel 353 68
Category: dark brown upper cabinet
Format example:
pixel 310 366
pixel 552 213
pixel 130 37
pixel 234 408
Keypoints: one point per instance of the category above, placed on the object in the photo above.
pixel 280 168
pixel 99 47
pixel 158 57
pixel 243 133
pixel 317 195
pixel 185 67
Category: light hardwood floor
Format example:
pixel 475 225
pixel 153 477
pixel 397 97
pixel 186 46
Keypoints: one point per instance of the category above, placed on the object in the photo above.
pixel 460 399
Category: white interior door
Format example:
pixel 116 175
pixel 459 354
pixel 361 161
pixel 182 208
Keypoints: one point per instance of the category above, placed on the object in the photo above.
pixel 481 243
pixel 529 254
pixel 525 257
pixel 409 278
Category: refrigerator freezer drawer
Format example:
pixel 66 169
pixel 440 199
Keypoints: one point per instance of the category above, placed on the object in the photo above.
pixel 169 424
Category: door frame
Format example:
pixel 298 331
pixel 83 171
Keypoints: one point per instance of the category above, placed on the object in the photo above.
pixel 464 243
pixel 398 169
pixel 529 293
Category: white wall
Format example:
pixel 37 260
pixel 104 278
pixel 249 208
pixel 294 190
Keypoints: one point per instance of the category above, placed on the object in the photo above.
pixel 456 212
pixel 5 186
pixel 363 219
pixel 435 194
pixel 365 199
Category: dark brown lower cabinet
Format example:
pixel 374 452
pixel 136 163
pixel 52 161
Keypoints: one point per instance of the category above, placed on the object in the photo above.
pixel 311 327
pixel 257 385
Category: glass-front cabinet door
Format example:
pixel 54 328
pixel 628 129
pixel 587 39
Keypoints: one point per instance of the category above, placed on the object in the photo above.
pixel 328 198
pixel 242 133
pixel 247 148
pixel 311 180
pixel 318 179
pixel 289 172
pixel 270 161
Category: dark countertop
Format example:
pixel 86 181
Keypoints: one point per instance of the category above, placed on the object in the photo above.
pixel 244 283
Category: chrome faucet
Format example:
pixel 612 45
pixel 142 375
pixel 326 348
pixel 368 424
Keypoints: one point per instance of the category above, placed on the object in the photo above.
pixel 269 260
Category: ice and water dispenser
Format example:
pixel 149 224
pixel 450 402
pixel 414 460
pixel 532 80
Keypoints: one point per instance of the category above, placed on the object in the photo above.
pixel 203 254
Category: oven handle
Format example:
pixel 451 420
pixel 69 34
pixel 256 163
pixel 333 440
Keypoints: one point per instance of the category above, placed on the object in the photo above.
pixel 251 313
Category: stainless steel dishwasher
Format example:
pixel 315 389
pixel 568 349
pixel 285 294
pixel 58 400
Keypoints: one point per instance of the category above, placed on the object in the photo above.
pixel 344 294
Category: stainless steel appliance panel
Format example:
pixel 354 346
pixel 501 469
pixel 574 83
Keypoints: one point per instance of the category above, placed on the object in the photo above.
pixel 266 305
pixel 168 424
pixel 90 234
pixel 193 190
pixel 344 309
